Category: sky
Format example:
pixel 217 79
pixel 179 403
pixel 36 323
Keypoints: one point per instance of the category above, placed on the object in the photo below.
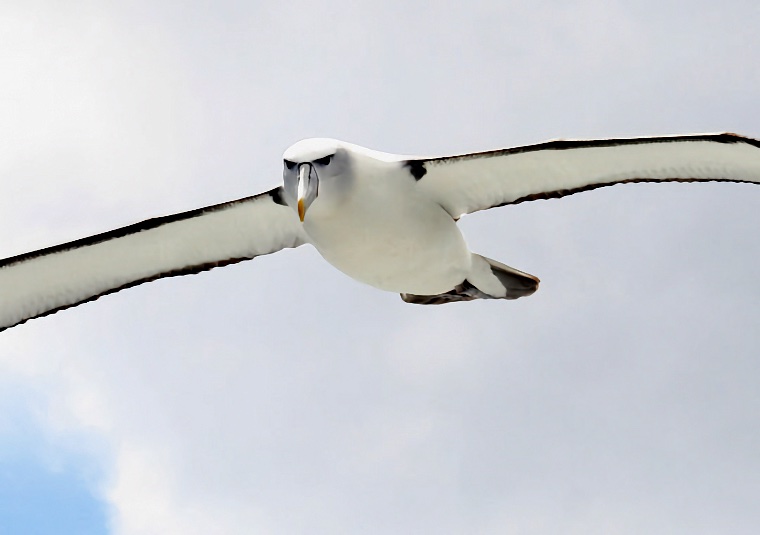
pixel 279 396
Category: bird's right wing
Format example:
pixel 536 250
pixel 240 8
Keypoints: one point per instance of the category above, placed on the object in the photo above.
pixel 43 282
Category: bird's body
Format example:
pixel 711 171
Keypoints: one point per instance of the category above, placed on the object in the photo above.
pixel 387 220
pixel 388 235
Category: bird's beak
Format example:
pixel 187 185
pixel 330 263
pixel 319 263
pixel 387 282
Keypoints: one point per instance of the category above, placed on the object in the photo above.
pixel 308 186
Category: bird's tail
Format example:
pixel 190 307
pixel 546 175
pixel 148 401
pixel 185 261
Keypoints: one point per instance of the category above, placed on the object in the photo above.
pixel 488 279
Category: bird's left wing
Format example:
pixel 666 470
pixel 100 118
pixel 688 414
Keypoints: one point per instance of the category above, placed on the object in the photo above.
pixel 472 182
pixel 46 281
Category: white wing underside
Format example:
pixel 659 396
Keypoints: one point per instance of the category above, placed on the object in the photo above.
pixel 472 182
pixel 45 281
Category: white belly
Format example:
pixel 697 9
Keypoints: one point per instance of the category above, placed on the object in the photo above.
pixel 406 246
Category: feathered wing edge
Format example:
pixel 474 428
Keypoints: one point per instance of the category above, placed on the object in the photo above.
pixel 478 181
pixel 46 281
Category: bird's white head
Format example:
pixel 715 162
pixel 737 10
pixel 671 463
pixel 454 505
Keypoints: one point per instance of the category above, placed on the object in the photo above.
pixel 306 164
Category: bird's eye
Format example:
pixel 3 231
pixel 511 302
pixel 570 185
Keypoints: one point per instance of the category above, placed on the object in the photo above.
pixel 325 160
pixel 289 164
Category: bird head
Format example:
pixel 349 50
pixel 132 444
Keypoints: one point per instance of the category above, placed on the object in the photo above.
pixel 305 165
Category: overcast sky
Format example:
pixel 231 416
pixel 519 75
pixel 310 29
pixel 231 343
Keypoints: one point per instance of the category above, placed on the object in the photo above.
pixel 278 396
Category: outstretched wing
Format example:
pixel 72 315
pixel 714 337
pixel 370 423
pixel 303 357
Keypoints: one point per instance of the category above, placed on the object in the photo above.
pixel 472 182
pixel 46 281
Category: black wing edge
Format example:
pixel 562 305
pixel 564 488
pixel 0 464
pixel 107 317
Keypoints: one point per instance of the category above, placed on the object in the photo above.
pixel 566 144
pixel 134 228
pixel 189 270
pixel 565 192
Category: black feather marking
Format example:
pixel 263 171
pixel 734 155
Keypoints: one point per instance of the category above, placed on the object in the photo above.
pixel 276 195
pixel 566 144
pixel 416 168
pixel 545 195
pixel 463 292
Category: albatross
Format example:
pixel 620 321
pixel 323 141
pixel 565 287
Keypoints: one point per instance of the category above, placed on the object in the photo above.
pixel 386 220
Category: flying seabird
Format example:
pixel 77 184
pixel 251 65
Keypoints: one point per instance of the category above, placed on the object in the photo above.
pixel 383 219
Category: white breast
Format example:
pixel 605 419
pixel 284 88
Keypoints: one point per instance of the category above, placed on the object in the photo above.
pixel 387 235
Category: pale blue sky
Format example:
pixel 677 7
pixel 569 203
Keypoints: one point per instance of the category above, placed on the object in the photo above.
pixel 37 500
pixel 44 488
